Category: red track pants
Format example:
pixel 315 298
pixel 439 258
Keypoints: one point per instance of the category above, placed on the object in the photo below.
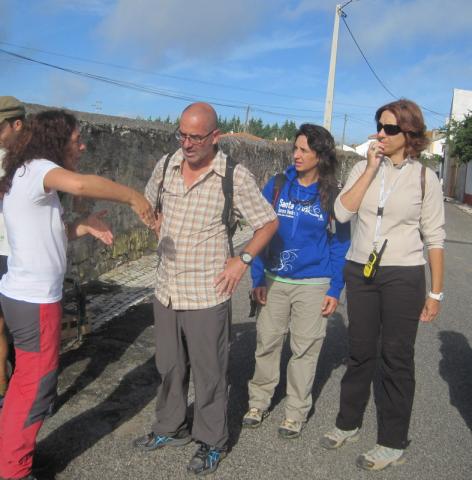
pixel 36 332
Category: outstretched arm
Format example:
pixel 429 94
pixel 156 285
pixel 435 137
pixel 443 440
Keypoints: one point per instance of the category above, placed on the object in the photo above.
pixel 93 186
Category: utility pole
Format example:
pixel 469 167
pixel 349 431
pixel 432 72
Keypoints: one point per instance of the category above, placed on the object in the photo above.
pixel 246 122
pixel 328 114
pixel 343 158
pixel 344 130
pixel 97 105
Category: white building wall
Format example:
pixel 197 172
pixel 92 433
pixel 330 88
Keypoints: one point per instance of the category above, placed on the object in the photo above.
pixel 459 182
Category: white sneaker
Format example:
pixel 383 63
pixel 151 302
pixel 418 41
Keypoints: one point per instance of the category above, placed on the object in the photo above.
pixel 337 438
pixel 254 417
pixel 290 428
pixel 380 457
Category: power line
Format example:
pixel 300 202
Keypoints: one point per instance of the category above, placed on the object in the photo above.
pixel 176 77
pixel 164 75
pixel 374 72
pixel 159 92
pixel 365 58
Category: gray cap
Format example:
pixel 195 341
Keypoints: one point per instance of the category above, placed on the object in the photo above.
pixel 11 107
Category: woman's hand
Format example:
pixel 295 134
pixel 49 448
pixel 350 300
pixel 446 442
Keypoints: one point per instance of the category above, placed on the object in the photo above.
pixel 91 225
pixel 143 209
pixel 260 295
pixel 430 310
pixel 99 229
pixel 375 153
pixel 329 305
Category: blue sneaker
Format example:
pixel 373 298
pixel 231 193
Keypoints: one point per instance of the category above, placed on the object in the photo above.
pixel 206 459
pixel 151 441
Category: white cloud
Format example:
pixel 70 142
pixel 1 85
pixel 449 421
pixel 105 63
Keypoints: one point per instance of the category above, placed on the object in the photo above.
pixel 384 24
pixel 180 30
pixel 306 6
pixel 278 41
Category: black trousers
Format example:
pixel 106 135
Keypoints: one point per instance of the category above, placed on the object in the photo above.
pixel 383 321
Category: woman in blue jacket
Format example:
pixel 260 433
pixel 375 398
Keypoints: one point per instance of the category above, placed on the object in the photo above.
pixel 298 279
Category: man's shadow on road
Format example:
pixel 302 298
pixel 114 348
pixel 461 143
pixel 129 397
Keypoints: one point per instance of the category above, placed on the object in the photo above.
pixel 455 368
pixel 102 348
pixel 241 368
pixel 138 387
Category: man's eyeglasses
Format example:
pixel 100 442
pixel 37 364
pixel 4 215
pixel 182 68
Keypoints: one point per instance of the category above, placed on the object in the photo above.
pixel 388 128
pixel 193 139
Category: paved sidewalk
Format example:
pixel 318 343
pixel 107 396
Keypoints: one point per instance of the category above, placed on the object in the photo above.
pixel 461 206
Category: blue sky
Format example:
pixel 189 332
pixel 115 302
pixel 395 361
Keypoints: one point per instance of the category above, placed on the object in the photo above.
pixel 272 55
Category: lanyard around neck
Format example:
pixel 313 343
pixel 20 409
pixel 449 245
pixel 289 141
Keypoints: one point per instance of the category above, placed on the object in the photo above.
pixel 383 196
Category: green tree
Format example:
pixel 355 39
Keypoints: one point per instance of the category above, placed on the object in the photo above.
pixel 459 138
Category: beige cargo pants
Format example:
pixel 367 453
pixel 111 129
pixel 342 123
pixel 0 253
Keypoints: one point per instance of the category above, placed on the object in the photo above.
pixel 295 309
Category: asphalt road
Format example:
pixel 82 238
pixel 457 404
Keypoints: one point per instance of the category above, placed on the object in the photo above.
pixel 107 391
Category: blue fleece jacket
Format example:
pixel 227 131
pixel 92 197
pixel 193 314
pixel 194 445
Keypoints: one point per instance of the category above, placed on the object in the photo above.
pixel 302 246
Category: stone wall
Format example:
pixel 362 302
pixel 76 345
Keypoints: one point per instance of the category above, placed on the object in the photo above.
pixel 126 151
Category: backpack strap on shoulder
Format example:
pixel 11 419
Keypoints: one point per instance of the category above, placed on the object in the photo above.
pixel 333 193
pixel 423 181
pixel 158 208
pixel 228 191
pixel 279 181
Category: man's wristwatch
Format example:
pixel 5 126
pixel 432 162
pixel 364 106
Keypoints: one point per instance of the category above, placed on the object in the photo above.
pixel 246 258
pixel 436 296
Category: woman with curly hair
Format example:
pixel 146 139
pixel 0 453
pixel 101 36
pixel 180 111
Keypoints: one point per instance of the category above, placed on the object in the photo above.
pixel 399 208
pixel 40 164
pixel 298 280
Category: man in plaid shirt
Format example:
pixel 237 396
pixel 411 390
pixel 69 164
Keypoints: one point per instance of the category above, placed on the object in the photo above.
pixel 195 280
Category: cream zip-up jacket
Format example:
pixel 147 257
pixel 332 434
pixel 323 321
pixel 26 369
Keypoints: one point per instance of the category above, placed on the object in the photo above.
pixel 405 214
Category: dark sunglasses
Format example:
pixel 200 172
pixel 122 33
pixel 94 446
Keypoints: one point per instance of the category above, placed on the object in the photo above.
pixel 388 128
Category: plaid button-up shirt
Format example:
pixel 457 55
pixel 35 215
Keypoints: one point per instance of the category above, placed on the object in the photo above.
pixel 193 243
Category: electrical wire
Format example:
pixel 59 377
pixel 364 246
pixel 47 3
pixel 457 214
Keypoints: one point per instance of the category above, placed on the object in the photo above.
pixel 343 16
pixel 176 77
pixel 365 58
pixel 160 92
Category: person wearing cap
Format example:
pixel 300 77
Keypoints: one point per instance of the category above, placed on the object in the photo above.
pixel 12 115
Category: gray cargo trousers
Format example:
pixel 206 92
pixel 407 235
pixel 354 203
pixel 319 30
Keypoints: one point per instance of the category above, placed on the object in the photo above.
pixel 196 340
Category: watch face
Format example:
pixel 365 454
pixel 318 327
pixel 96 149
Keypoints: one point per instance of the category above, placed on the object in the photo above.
pixel 246 257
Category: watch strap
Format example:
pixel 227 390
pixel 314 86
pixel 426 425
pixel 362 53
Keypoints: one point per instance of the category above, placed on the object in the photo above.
pixel 436 296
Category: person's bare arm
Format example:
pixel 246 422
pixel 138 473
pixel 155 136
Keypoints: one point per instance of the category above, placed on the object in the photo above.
pixel 436 264
pixel 93 186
